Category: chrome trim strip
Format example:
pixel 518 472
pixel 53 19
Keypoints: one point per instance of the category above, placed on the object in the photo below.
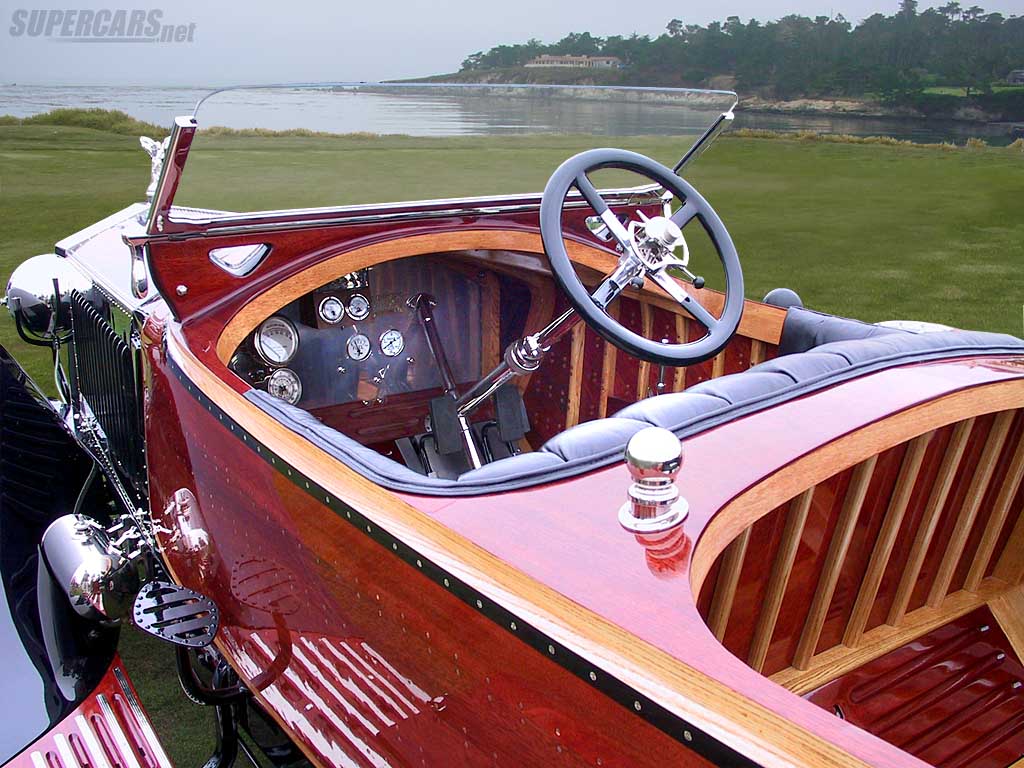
pixel 92 743
pixel 127 753
pixel 64 750
pixel 37 760
pixel 143 721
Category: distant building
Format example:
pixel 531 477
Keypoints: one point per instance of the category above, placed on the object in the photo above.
pixel 1014 78
pixel 576 62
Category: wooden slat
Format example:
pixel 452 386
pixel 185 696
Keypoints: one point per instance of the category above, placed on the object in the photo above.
pixel 1000 511
pixel 679 375
pixel 779 579
pixel 757 352
pixel 929 520
pixel 1010 567
pixel 572 412
pixel 1008 610
pixel 836 662
pixel 608 363
pixel 909 471
pixel 725 588
pixel 490 351
pixel 837 548
pixel 972 503
pixel 718 365
pixel 643 374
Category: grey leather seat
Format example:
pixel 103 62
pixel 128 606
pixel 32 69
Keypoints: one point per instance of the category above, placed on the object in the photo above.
pixel 816 351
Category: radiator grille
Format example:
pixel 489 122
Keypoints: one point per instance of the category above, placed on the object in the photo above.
pixel 105 376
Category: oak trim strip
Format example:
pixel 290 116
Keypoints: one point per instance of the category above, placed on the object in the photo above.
pixel 643 373
pixel 1000 511
pixel 782 567
pixel 910 468
pixel 759 320
pixel 837 661
pixel 608 362
pixel 1008 610
pixel 718 365
pixel 757 352
pixel 725 587
pixel 683 690
pixel 968 514
pixel 775 488
pixel 930 520
pixel 572 412
pixel 679 373
pixel 837 549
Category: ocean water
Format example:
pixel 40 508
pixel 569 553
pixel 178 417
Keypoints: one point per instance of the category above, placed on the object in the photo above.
pixel 421 114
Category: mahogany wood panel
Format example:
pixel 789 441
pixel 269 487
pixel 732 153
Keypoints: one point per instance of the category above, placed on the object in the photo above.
pixel 1008 609
pixel 926 529
pixel 909 471
pixel 975 493
pixel 1000 513
pixel 725 590
pixel 782 567
pixel 838 546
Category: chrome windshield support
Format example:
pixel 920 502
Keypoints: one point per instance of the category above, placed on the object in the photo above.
pixel 701 145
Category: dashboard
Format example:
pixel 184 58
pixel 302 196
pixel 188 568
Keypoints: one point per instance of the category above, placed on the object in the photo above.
pixel 359 342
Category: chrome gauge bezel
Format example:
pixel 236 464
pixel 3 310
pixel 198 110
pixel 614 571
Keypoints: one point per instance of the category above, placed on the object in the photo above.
pixel 324 317
pixel 358 314
pixel 401 339
pixel 258 343
pixel 348 347
pixel 286 373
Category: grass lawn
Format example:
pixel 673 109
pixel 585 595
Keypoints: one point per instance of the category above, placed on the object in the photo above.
pixel 874 232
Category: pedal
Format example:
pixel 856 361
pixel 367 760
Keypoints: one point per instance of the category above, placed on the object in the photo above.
pixel 176 614
pixel 444 423
pixel 513 421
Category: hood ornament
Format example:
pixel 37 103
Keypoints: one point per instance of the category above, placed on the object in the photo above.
pixel 156 151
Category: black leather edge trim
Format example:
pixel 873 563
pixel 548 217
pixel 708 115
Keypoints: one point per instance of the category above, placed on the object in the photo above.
pixel 688 428
pixel 642 706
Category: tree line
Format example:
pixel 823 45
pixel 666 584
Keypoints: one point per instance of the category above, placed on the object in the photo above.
pixel 890 57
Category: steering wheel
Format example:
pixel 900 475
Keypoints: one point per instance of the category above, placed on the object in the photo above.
pixel 647 250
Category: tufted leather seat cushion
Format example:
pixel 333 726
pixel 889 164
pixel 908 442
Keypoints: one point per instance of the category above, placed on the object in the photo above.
pixel 817 351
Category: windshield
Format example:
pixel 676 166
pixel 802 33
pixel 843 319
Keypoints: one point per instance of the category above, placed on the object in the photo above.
pixel 298 146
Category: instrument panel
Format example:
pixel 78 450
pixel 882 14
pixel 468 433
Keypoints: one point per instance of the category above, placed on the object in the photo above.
pixel 359 339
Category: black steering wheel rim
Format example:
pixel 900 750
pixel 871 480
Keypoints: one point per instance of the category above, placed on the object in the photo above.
pixel 552 235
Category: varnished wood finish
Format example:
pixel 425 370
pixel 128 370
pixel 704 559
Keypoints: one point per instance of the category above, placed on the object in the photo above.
pixel 490 299
pixel 607 370
pixel 1000 512
pixel 1008 608
pixel 837 661
pixel 756 352
pixel 782 567
pixel 572 412
pixel 909 471
pixel 679 374
pixel 838 546
pixel 926 528
pixel 718 366
pixel 643 375
pixel 694 695
pixel 975 494
pixel 759 321
pixel 725 589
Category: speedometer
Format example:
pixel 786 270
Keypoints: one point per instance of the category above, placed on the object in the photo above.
pixel 358 347
pixel 277 341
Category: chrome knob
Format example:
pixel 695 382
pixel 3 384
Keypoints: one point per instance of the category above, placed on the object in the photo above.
pixel 654 457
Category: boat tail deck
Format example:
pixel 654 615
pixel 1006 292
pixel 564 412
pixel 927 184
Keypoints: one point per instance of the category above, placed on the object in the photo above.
pixel 953 697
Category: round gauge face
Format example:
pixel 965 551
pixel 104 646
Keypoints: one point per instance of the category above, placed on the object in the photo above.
pixel 284 384
pixel 277 341
pixel 358 347
pixel 331 310
pixel 358 306
pixel 392 343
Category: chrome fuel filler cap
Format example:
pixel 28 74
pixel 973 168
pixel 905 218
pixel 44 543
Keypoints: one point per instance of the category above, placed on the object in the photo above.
pixel 654 457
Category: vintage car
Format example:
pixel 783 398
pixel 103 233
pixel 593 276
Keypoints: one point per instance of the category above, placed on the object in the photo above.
pixel 498 481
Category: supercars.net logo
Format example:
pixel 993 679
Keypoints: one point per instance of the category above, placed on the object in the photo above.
pixel 100 26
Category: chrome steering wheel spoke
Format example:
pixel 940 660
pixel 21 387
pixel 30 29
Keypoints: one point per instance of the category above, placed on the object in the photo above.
pixel 669 285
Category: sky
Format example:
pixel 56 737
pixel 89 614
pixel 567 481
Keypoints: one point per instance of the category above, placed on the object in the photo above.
pixel 263 41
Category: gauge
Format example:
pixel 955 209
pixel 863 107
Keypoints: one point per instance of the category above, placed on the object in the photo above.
pixel 358 306
pixel 392 343
pixel 277 341
pixel 331 310
pixel 358 347
pixel 284 384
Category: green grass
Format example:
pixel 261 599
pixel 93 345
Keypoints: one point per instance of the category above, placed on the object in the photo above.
pixel 871 230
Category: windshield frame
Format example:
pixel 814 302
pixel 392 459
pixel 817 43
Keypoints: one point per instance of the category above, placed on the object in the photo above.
pixel 164 219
